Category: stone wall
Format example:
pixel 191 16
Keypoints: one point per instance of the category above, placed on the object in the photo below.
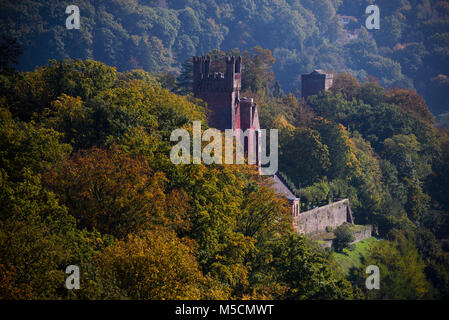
pixel 364 233
pixel 359 235
pixel 316 220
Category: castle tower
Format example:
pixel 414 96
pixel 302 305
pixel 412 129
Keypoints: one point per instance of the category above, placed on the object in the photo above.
pixel 227 110
pixel 315 82
pixel 220 91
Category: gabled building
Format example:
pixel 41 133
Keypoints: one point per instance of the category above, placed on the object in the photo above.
pixel 282 189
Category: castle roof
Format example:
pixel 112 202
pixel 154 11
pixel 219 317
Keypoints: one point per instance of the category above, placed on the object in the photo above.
pixel 318 71
pixel 282 189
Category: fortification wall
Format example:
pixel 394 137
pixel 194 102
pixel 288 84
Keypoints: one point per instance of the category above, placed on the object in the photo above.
pixel 316 220
pixel 366 232
pixel 358 236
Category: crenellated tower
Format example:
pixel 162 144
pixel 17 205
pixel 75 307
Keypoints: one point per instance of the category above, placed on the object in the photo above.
pixel 220 91
pixel 315 82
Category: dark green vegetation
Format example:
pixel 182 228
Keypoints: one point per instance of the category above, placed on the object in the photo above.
pixel 410 50
pixel 403 272
pixel 343 237
pixel 353 256
pixel 86 179
pixel 85 175
pixel 381 149
pixel 378 147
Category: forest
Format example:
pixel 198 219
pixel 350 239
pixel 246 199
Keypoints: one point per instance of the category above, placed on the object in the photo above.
pixel 85 171
pixel 410 50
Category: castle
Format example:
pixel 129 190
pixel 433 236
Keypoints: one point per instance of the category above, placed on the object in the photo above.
pixel 227 110
pixel 315 82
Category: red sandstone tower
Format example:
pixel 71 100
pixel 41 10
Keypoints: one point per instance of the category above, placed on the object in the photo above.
pixel 228 111
pixel 221 92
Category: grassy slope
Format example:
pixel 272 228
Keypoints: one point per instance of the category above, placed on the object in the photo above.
pixel 352 258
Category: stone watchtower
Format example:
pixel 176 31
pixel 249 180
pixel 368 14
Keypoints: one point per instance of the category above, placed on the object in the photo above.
pixel 315 82
pixel 220 91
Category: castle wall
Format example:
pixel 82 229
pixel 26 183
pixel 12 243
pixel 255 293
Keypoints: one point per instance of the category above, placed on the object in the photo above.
pixel 328 83
pixel 294 207
pixel 316 220
pixel 220 108
pixel 366 232
pixel 358 236
pixel 247 109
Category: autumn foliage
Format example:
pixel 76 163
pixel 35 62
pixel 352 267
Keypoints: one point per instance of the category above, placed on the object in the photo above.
pixel 86 180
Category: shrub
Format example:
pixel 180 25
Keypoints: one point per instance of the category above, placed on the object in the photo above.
pixel 343 237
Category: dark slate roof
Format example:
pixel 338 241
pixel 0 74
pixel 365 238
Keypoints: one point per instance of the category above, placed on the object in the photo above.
pixel 321 72
pixel 282 189
pixel 317 71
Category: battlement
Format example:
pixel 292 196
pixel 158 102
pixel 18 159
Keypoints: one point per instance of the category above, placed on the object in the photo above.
pixel 205 81
pixel 221 91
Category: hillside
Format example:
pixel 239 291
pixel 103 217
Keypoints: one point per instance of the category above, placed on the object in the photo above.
pixel 86 175
pixel 86 180
pixel 353 257
pixel 410 50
